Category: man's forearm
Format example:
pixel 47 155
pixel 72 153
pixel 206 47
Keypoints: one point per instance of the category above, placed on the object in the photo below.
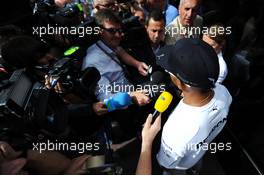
pixel 144 166
pixel 126 58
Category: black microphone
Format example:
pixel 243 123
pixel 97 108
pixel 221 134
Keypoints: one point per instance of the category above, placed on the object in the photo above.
pixel 157 83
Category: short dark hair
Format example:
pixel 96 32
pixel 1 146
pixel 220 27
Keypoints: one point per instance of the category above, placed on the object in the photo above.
pixel 156 15
pixel 104 15
pixel 23 51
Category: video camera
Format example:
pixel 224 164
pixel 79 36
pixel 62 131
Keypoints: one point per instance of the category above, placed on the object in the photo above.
pixel 43 6
pixel 71 10
pixel 28 108
pixel 69 21
pixel 67 71
pixel 48 7
pixel 37 109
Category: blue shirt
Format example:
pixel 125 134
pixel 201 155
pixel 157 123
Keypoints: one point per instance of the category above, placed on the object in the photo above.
pixel 113 78
pixel 171 13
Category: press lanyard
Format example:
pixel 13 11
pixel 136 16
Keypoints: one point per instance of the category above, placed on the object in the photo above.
pixel 115 60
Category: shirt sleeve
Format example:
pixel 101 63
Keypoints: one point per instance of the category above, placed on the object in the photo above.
pixel 167 157
pixel 103 89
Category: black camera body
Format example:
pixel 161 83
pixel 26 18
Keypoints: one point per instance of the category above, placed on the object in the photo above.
pixel 70 10
pixel 28 108
pixel 15 95
pixel 67 71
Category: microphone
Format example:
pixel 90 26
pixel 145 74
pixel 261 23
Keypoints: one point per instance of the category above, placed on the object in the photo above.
pixel 158 81
pixel 119 100
pixel 162 104
pixel 157 77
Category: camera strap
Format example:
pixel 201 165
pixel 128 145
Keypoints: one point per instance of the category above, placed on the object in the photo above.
pixel 114 58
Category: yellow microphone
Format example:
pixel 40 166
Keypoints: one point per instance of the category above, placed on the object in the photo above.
pixel 162 104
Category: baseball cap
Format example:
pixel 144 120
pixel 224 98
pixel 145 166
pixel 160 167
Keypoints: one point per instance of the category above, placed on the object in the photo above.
pixel 193 61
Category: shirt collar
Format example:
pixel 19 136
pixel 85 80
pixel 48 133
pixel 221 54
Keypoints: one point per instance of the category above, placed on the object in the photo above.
pixel 179 22
pixel 155 50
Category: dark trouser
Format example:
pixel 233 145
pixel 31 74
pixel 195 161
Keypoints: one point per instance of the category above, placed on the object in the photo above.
pixel 130 120
pixel 195 170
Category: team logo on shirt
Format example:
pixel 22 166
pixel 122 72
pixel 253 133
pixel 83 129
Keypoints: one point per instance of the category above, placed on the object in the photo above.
pixel 215 108
pixel 213 129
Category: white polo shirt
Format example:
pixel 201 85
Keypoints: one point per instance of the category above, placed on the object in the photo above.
pixel 222 68
pixel 189 126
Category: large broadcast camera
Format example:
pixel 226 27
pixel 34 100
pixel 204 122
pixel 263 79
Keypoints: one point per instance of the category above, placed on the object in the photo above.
pixel 28 108
pixel 74 16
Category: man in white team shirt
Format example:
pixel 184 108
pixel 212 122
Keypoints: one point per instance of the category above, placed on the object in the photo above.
pixel 202 112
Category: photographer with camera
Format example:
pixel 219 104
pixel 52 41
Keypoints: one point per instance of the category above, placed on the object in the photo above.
pixel 83 115
pixel 26 52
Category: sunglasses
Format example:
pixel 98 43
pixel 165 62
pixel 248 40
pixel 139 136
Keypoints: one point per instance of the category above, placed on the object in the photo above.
pixel 113 30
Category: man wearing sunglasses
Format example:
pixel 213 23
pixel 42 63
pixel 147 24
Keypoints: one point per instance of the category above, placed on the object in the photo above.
pixel 108 57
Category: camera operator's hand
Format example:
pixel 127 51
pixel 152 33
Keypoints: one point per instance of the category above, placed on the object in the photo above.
pixel 7 152
pixel 77 166
pixel 143 68
pixel 58 87
pixel 67 96
pixel 139 98
pixel 13 167
pixel 9 164
pixel 99 108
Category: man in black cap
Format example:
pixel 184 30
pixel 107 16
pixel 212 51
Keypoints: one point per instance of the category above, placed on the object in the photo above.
pixel 202 112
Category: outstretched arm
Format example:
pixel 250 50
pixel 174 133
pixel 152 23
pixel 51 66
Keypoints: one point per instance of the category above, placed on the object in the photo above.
pixel 129 60
pixel 149 132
